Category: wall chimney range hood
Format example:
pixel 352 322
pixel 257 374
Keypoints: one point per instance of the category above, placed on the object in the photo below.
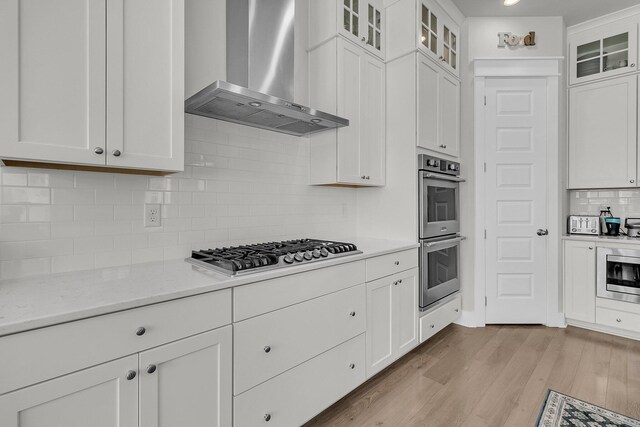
pixel 260 45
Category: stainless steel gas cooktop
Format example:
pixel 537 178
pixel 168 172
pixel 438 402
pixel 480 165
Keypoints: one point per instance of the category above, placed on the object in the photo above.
pixel 266 256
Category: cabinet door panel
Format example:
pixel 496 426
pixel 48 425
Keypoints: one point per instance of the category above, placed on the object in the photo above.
pixel 380 330
pixel 349 105
pixel 96 397
pixel 406 292
pixel 580 281
pixel 372 152
pixel 145 98
pixel 428 102
pixel 602 134
pixel 52 78
pixel 191 383
pixel 449 115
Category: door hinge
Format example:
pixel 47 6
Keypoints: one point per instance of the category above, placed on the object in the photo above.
pixel 485 233
pixel 485 301
pixel 485 100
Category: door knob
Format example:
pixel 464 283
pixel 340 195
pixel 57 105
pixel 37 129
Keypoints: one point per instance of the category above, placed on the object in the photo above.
pixel 542 232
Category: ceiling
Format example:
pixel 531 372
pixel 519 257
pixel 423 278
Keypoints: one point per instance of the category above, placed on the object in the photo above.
pixel 573 11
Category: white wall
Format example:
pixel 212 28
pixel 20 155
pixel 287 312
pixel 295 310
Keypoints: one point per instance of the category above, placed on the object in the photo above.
pixel 481 36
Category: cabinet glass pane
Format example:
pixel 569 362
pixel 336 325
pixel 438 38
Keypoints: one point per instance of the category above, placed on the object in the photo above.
pixel 589 50
pixel 434 44
pixel 378 43
pixel 425 37
pixel 615 43
pixel 347 3
pixel 454 60
pixel 454 42
pixel 370 14
pixel 615 61
pixel 354 26
pixel 446 54
pixel 370 38
pixel 355 6
pixel 347 19
pixel 446 35
pixel 425 16
pixel 434 23
pixel 588 68
pixel 378 19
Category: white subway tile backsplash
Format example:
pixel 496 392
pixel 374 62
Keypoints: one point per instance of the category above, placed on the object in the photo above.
pixel 240 185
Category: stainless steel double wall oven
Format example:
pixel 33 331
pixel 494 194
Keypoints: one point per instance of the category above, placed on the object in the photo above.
pixel 439 217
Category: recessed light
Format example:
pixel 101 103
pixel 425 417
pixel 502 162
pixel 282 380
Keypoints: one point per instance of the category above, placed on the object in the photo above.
pixel 510 2
pixel 255 104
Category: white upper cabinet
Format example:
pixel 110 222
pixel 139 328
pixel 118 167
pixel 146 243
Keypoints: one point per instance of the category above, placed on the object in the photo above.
pixel 361 21
pixel 52 80
pixel 349 82
pixel 602 120
pixel 609 50
pixel 93 82
pixel 435 33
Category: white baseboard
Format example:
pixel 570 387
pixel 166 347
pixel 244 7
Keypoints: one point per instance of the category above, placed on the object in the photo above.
pixel 556 320
pixel 467 319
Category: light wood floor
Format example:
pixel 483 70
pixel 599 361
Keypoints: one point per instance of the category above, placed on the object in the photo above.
pixel 494 376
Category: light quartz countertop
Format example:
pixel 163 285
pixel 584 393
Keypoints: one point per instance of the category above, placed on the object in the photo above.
pixel 41 301
pixel 602 239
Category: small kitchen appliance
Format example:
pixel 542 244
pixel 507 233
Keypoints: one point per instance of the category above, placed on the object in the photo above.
pixel 239 260
pixel 618 274
pixel 633 227
pixel 613 226
pixel 584 224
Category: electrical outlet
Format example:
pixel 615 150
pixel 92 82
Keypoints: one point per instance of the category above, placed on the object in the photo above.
pixel 152 215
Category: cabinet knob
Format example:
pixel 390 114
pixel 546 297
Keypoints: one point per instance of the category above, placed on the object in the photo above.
pixel 131 375
pixel 352 314
pixel 457 310
pixel 632 181
pixel 352 366
pixel 267 349
pixel 116 153
pixel 368 177
pixel 151 369
pixel 363 177
pixel 397 263
pixel 619 320
pixel 400 281
pixel 633 65
pixel 267 417
pixel 98 150
pixel 364 39
pixel 433 326
pixel 140 331
pixel 395 283
pixel 590 248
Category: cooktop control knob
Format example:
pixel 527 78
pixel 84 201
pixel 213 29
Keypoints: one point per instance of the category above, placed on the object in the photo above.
pixel 315 253
pixel 298 257
pixel 307 255
pixel 288 259
pixel 324 253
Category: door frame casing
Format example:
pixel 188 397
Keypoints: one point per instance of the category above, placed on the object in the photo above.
pixel 548 68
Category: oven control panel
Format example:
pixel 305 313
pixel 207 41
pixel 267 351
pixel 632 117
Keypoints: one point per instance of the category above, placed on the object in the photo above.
pixel 435 164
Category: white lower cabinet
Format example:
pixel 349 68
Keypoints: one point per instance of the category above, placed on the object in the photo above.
pixel 440 317
pixel 392 313
pixel 101 396
pixel 580 281
pixel 299 394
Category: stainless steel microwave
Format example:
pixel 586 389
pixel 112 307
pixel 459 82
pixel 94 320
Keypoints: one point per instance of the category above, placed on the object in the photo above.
pixel 618 272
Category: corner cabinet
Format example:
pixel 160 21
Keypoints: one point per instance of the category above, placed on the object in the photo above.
pixel 360 21
pixel 607 51
pixel 602 134
pixel 93 82
pixel 348 81
pixel 580 281
pixel 434 32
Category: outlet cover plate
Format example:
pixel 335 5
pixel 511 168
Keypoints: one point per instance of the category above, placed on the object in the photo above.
pixel 152 215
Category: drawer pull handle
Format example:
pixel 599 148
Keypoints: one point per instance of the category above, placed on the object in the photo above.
pixel 131 375
pixel 267 417
pixel 352 366
pixel 397 263
pixel 140 331
pixel 151 369
pixel 267 349
pixel 433 326
pixel 352 314
pixel 619 320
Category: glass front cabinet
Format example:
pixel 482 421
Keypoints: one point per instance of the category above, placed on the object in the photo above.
pixel 438 35
pixel 363 22
pixel 608 51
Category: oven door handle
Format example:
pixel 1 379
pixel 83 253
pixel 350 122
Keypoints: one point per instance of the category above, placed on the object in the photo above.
pixel 444 242
pixel 443 177
pixel 624 259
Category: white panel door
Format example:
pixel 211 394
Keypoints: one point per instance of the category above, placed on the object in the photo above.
pixel 380 324
pixel 350 63
pixel 372 154
pixel 580 281
pixel 516 200
pixel 602 121
pixel 188 382
pixel 101 396
pixel 52 74
pixel 145 83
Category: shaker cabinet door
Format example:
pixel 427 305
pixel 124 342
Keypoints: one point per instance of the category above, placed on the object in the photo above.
pixel 449 112
pixel 602 134
pixel 580 281
pixel 52 80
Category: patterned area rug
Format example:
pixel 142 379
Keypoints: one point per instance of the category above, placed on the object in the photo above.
pixel 560 410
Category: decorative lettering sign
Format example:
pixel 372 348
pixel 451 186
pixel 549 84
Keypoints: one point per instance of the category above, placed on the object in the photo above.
pixel 513 40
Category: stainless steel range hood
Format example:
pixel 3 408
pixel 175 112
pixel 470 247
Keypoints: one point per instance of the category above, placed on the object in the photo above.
pixel 260 45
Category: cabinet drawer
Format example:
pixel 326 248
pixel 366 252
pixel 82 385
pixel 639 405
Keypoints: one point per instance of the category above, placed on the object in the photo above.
pixel 269 295
pixel 298 395
pixel 268 345
pixel 618 319
pixel 440 318
pixel 41 354
pixel 387 265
